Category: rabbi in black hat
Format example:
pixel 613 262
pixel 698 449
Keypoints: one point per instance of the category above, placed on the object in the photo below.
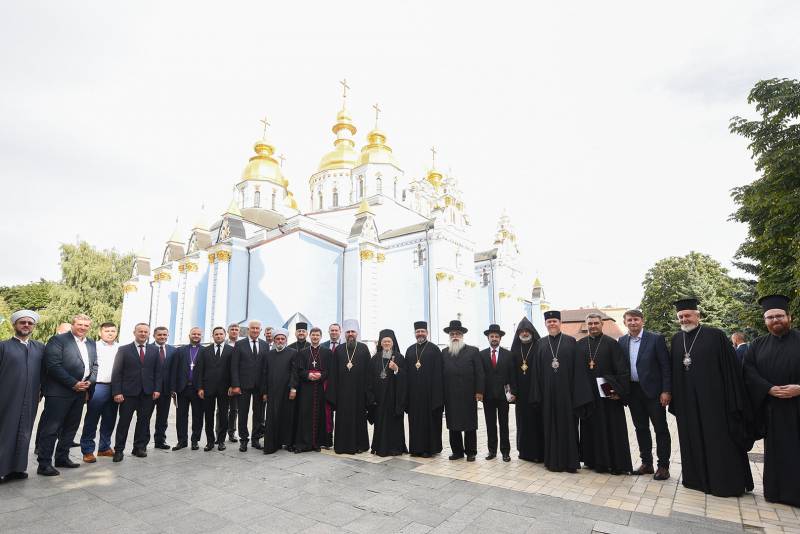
pixel 463 388
pixel 498 366
pixel 709 402
pixel 425 394
pixel 771 375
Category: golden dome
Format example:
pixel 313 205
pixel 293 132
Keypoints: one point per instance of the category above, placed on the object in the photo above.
pixel 377 151
pixel 363 207
pixel 290 201
pixel 263 166
pixel 435 178
pixel 344 154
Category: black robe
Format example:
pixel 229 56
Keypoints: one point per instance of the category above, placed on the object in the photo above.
pixel 279 377
pixel 604 434
pixel 463 378
pixel 563 395
pixel 709 402
pixel 775 361
pixel 530 435
pixel 310 421
pixel 388 411
pixel 425 398
pixel 349 392
pixel 20 379
pixel 298 346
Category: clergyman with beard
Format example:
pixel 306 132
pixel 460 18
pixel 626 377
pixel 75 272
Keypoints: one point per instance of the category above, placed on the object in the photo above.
pixel 530 435
pixel 278 390
pixel 708 400
pixel 425 394
pixel 463 388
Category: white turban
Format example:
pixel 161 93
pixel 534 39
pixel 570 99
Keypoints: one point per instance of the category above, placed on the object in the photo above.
pixel 280 332
pixel 351 324
pixel 16 316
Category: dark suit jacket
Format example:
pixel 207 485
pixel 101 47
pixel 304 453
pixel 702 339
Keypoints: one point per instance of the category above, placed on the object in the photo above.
pixel 741 350
pixel 131 377
pixel 246 367
pixel 179 368
pixel 65 366
pixel 327 344
pixel 166 366
pixel 652 363
pixel 213 374
pixel 497 377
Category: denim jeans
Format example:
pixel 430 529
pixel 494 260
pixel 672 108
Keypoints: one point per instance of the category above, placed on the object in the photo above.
pixel 101 407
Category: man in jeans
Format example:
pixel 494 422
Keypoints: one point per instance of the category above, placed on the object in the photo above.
pixel 651 386
pixel 101 407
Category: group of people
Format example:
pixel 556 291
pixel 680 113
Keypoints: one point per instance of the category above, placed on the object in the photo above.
pixel 569 395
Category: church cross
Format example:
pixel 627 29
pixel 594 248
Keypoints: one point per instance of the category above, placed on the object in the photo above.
pixel 345 87
pixel 377 113
pixel 265 123
pixel 282 158
pixel 433 157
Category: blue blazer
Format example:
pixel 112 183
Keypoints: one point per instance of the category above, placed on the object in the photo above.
pixel 652 363
pixel 65 366
pixel 166 366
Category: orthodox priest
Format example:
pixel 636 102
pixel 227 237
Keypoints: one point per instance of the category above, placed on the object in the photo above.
pixel 604 442
pixel 560 387
pixel 425 404
pixel 388 375
pixel 530 436
pixel 279 389
pixel 312 366
pixel 772 378
pixel 301 333
pixel 349 392
pixel 709 402
pixel 21 361
pixel 463 388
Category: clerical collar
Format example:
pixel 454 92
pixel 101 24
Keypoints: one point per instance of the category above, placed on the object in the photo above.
pixel 597 336
pixel 555 336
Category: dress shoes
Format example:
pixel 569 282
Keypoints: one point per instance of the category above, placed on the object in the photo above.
pixel 162 446
pixel 209 447
pixel 16 475
pixel 661 474
pixel 48 471
pixel 180 445
pixel 195 446
pixel 74 444
pixel 66 462
pixel 470 457
pixel 257 444
pixel 491 456
pixel 89 458
pixel 118 456
pixel 221 446
pixel 425 455
pixel 232 438
pixel 139 453
pixel 243 446
pixel 106 453
pixel 455 457
pixel 506 457
pixel 644 469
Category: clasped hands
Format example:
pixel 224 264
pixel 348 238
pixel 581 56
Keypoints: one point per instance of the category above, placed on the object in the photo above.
pixel 785 392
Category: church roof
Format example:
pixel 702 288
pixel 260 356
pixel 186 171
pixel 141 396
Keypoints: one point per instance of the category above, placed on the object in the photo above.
pixel 486 255
pixel 236 227
pixel 573 323
pixel 406 230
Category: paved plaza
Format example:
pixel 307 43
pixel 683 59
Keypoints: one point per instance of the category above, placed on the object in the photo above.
pixel 229 492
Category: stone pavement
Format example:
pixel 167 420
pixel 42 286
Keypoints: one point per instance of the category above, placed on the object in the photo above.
pixel 229 492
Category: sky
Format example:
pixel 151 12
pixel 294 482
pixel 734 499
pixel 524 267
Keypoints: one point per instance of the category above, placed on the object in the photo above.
pixel 601 127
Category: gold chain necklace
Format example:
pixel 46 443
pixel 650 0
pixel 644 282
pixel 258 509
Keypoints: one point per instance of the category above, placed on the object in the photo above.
pixel 419 353
pixel 554 364
pixel 593 357
pixel 524 365
pixel 350 357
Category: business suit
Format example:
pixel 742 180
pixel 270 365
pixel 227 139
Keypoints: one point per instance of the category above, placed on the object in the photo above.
pixel 162 405
pixel 214 378
pixel 246 371
pixel 495 403
pixel 741 350
pixel 183 382
pixel 327 345
pixel 136 380
pixel 651 375
pixel 63 405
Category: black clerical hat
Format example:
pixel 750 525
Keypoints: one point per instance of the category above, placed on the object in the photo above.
pixel 494 328
pixel 552 314
pixel 301 326
pixel 689 303
pixel 455 326
pixel 420 325
pixel 774 302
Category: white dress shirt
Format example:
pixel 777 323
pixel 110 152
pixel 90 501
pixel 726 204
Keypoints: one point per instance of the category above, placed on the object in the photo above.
pixel 105 360
pixel 84 350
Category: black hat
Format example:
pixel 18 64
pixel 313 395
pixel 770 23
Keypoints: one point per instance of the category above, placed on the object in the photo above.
pixel 552 314
pixel 455 326
pixel 774 302
pixel 420 325
pixel 689 303
pixel 494 328
pixel 301 326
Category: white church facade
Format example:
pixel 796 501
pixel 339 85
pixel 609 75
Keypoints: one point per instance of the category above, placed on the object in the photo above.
pixel 377 246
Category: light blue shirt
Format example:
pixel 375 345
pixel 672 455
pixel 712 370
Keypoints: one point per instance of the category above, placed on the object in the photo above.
pixel 633 348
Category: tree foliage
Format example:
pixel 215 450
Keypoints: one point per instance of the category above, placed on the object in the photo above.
pixel 770 206
pixel 725 302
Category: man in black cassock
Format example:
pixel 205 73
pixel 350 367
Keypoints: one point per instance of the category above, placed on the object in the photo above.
pixel 530 435
pixel 709 402
pixel 388 374
pixel 560 387
pixel 279 389
pixel 500 388
pixel 604 443
pixel 349 392
pixel 21 362
pixel 425 388
pixel 771 376
pixel 301 333
pixel 463 388
pixel 312 366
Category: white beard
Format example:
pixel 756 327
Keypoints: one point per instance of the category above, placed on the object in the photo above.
pixel 688 327
pixel 455 346
pixel 279 347
pixel 526 339
pixel 387 355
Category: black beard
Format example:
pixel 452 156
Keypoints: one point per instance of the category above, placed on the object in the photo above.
pixel 351 344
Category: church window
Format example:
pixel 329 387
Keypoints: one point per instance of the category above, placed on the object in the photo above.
pixel 361 186
pixel 274 194
pixel 319 196
pixel 484 277
pixel 379 183
pixel 419 256
pixel 257 199
pixel 335 198
pixel 404 195
pixel 395 189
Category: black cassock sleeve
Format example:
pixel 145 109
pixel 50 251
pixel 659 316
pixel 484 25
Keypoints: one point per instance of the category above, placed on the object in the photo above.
pixel 333 376
pixel 401 385
pixel 582 393
pixel 437 381
pixel 620 380
pixel 740 414
pixel 758 389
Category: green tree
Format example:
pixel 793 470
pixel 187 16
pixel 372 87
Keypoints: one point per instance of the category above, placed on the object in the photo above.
pixel 5 320
pixel 34 296
pixel 770 206
pixel 725 302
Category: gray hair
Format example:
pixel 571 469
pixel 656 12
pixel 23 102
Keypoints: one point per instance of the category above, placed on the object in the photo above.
pixel 594 315
pixel 81 317
pixel 254 322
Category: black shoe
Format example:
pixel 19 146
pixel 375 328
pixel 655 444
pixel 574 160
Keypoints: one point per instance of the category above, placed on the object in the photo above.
pixel 232 438
pixel 163 446
pixel 139 453
pixel 118 456
pixel 661 474
pixel 506 457
pixel 179 446
pixel 455 457
pixel 47 470
pixel 243 446
pixel 470 457
pixel 74 444
pixel 257 444
pixel 16 475
pixel 67 463
pixel 221 446
pixel 195 446
pixel 425 455
pixel 209 447
pixel 491 456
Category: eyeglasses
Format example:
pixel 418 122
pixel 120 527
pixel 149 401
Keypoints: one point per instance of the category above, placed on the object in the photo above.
pixel 780 317
pixel 26 323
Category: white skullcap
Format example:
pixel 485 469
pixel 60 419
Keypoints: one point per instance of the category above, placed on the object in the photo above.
pixel 16 316
pixel 280 332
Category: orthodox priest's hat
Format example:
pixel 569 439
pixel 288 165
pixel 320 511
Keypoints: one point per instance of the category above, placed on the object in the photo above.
pixel 301 326
pixel 688 303
pixel 420 325
pixel 455 326
pixel 774 302
pixel 552 314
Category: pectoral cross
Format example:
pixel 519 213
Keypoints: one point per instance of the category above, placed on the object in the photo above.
pixel 377 114
pixel 265 123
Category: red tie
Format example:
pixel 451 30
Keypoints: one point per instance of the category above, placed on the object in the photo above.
pixel 494 358
pixel 141 354
pixel 160 353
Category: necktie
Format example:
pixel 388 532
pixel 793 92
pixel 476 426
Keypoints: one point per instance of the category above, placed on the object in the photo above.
pixel 333 345
pixel 218 352
pixel 494 358
pixel 141 354
pixel 255 348
pixel 161 353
